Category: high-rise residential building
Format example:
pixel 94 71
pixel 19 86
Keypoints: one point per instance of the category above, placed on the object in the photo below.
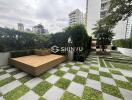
pixel 98 9
pixel 20 27
pixel 129 28
pixel 76 17
pixel 39 29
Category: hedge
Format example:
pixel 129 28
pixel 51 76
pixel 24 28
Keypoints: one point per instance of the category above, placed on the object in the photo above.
pixel 123 43
pixel 12 40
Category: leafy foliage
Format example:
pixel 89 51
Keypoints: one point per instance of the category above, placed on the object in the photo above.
pixel 118 10
pixel 11 40
pixel 79 38
pixel 104 35
pixel 124 43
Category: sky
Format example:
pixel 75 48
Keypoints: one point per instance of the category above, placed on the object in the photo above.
pixel 52 14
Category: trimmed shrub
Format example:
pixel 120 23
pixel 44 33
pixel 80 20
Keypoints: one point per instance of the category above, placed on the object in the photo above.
pixel 11 40
pixel 21 53
pixel 123 43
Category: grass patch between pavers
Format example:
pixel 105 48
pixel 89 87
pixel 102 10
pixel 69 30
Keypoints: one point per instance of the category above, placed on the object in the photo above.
pixel 91 94
pixel 69 96
pixel 84 69
pixel 3 72
pixel 63 83
pixel 79 79
pixel 102 63
pixel 41 98
pixel 94 68
pixel 108 64
pixel 6 81
pixel 72 71
pixel 77 64
pixel 15 72
pixel 94 77
pixel 16 93
pixel 115 72
pixel 25 78
pixel 110 89
pixel 45 75
pixel 125 85
pixel 105 74
pixel 60 73
pixel 122 66
pixel 129 79
pixel 68 65
pixel 42 87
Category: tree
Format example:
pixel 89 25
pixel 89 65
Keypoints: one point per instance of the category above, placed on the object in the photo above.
pixel 104 36
pixel 118 10
pixel 79 38
pixel 122 8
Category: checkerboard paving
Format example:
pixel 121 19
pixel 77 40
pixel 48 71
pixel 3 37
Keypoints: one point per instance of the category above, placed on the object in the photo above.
pixel 70 80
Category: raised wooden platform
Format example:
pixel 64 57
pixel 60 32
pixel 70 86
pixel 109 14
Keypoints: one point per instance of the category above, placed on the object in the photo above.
pixel 35 64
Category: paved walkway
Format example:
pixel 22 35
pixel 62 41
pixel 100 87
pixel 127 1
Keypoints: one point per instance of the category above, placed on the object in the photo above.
pixel 69 80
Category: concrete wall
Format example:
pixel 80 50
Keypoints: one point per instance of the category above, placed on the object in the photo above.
pixel 125 51
pixel 4 58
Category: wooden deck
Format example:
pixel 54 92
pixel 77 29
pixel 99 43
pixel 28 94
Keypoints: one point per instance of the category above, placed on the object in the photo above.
pixel 35 64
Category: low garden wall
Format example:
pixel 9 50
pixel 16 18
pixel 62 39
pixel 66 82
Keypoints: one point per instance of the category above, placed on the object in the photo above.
pixel 125 51
pixel 4 58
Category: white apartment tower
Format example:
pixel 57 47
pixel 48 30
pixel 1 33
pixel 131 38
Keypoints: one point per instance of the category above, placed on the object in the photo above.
pixel 98 9
pixel 20 27
pixel 76 17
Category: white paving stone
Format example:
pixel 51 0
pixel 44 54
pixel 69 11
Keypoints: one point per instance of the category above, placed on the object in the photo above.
pixel 53 93
pixel 107 80
pixel 76 89
pixel 5 66
pixel 75 67
pixel 69 76
pixel 127 94
pixel 33 82
pixel 11 70
pixel 63 64
pixel 71 63
pixel 119 77
pixel 1 98
pixel 20 75
pixel 83 74
pixel 52 79
pixel 1 70
pixel 52 71
pixel 8 87
pixel 110 97
pixel 4 76
pixel 126 73
pixel 94 72
pixel 65 69
pixel 29 96
pixel 93 84
pixel 104 69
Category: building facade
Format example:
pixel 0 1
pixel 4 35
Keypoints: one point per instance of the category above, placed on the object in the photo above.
pixel 76 17
pixel 20 27
pixel 98 9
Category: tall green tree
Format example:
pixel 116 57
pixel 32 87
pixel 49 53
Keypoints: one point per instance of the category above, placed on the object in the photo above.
pixel 104 36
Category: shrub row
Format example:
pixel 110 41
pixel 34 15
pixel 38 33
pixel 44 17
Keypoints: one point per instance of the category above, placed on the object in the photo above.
pixel 11 40
pixel 124 43
pixel 21 53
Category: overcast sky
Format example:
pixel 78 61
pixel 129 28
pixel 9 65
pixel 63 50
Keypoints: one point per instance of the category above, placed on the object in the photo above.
pixel 53 14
